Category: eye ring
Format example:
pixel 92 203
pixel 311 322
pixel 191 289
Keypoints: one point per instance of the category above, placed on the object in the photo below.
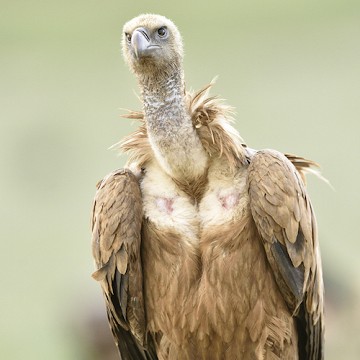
pixel 128 37
pixel 162 32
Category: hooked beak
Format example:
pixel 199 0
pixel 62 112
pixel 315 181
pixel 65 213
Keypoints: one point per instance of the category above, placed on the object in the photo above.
pixel 141 43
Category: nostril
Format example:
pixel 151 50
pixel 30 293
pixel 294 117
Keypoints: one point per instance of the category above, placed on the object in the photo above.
pixel 146 36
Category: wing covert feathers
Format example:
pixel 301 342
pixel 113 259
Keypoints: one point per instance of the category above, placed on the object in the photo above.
pixel 285 220
pixel 116 229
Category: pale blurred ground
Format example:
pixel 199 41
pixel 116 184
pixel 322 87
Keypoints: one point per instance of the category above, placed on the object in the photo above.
pixel 291 69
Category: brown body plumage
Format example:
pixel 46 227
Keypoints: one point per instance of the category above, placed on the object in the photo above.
pixel 205 248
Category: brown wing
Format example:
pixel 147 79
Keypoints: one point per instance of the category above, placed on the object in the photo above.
pixel 285 220
pixel 116 239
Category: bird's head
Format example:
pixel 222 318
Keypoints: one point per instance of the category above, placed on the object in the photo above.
pixel 152 43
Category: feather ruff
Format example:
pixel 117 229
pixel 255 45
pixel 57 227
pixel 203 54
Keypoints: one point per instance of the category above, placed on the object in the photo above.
pixel 210 117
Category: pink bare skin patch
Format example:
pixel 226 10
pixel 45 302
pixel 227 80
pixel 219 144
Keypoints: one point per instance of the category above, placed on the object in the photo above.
pixel 229 201
pixel 165 205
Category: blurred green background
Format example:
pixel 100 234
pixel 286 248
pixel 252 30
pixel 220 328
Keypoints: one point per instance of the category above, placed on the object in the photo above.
pixel 291 69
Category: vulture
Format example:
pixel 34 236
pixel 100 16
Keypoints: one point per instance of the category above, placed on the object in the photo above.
pixel 204 248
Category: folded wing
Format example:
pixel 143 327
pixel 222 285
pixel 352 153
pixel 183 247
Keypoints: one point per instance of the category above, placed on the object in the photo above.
pixel 285 220
pixel 116 240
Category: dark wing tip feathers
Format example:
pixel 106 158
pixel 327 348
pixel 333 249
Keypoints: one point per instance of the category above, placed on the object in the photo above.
pixel 293 276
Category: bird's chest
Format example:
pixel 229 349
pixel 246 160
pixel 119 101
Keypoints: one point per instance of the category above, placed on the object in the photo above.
pixel 188 247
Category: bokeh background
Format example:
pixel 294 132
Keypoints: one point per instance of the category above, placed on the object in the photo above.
pixel 291 69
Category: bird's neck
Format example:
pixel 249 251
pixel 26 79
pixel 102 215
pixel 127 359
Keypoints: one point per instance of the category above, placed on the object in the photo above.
pixel 171 133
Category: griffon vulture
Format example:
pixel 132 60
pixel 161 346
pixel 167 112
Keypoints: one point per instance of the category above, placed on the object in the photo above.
pixel 204 248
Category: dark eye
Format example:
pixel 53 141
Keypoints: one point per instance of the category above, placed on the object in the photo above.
pixel 162 31
pixel 128 37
